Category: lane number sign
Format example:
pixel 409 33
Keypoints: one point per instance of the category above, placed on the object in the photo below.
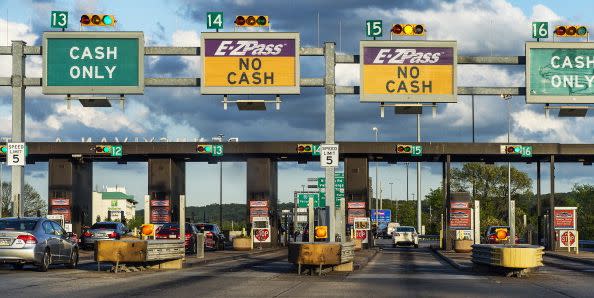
pixel 540 30
pixel 373 28
pixel 214 20
pixel 329 155
pixel 59 19
pixel 16 154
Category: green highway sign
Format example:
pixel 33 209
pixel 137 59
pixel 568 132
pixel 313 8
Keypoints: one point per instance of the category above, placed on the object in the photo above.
pixel 526 151
pixel 303 200
pixel 93 63
pixel 217 150
pixel 560 72
pixel 214 20
pixel 338 196
pixel 373 28
pixel 338 182
pixel 315 150
pixel 417 150
pixel 59 19
pixel 540 29
pixel 116 151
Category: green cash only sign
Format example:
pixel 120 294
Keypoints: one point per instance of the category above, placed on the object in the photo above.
pixel 93 63
pixel 559 72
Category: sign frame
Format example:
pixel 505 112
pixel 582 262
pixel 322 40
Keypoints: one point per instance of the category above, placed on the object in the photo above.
pixel 409 98
pixel 62 90
pixel 276 90
pixel 555 99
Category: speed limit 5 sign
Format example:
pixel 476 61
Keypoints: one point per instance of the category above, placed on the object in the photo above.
pixel 16 154
pixel 329 155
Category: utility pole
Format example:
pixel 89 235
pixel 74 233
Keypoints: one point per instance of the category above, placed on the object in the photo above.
pixel 419 223
pixel 221 188
pixel 407 181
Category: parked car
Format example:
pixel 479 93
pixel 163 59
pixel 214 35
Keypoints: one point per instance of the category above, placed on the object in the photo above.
pixel 106 230
pixel 38 241
pixel 405 235
pixel 492 237
pixel 213 236
pixel 171 231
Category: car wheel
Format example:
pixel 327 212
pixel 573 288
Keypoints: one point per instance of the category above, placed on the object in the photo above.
pixel 46 260
pixel 73 259
pixel 18 266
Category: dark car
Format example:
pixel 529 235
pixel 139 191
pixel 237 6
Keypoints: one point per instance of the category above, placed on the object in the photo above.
pixel 213 236
pixel 106 230
pixel 171 231
pixel 491 236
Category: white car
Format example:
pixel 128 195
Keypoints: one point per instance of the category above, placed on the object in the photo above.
pixel 405 235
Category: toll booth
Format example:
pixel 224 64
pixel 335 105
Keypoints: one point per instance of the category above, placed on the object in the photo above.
pixel 458 218
pixel 166 182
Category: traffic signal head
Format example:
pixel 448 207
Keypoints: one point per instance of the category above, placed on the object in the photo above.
pixel 147 230
pixel 3 149
pixel 304 148
pixel 404 149
pixel 251 21
pixel 513 149
pixel 408 29
pixel 204 149
pixel 97 20
pixel 103 149
pixel 571 31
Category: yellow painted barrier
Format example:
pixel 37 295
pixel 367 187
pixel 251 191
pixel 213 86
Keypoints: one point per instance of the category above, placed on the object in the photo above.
pixel 518 256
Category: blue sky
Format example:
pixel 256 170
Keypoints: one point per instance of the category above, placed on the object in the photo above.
pixel 497 27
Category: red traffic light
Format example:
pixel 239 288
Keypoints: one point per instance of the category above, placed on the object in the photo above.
pixel 397 29
pixel 240 21
pixel 85 20
pixel 560 30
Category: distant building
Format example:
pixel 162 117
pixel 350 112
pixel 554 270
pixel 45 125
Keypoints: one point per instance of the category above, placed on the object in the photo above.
pixel 113 205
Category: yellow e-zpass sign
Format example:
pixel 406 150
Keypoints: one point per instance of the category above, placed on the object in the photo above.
pixel 408 71
pixel 250 63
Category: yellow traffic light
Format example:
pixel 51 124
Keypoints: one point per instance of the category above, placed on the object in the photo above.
pixel 147 230
pixel 571 31
pixel 252 21
pixel 321 232
pixel 304 148
pixel 90 19
pixel 408 29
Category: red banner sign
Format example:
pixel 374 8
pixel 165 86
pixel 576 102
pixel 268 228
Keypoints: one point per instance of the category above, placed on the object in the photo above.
pixel 159 203
pixel 258 212
pixel 459 205
pixel 460 219
pixel 258 203
pixel 355 213
pixel 355 205
pixel 565 218
pixel 60 202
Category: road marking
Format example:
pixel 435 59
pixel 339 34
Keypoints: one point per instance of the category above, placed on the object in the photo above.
pixel 411 276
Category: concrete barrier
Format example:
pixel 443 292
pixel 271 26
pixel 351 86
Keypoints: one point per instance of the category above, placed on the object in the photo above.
pixel 516 257
pixel 160 254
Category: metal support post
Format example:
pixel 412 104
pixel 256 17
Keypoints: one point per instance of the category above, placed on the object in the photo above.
pixel 477 222
pixel 182 219
pixel 147 209
pixel 539 230
pixel 18 122
pixel 419 223
pixel 512 218
pixel 552 243
pixel 310 217
pixel 330 85
pixel 446 193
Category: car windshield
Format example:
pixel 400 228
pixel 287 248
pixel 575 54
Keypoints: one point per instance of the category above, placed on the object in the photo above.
pixel 405 229
pixel 18 225
pixel 205 227
pixel 104 226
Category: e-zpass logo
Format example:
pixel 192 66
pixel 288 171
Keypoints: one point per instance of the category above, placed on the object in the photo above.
pixel 406 56
pixel 247 47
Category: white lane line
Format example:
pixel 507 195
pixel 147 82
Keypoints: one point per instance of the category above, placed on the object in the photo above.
pixel 412 276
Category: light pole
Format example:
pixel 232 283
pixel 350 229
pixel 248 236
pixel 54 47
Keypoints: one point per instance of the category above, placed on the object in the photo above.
pixel 512 225
pixel 376 131
pixel 221 188
pixel 419 223
pixel 407 181
pixel 303 187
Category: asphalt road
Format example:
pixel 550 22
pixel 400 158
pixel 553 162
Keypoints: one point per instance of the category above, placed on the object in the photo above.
pixel 401 272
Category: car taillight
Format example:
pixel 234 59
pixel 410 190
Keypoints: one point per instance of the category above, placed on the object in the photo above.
pixel 208 234
pixel 158 235
pixel 188 235
pixel 88 234
pixel 112 235
pixel 28 239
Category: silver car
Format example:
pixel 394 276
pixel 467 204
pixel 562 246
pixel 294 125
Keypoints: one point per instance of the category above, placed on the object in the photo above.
pixel 106 230
pixel 38 241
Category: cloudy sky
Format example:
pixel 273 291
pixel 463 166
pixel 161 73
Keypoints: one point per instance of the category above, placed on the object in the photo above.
pixel 496 27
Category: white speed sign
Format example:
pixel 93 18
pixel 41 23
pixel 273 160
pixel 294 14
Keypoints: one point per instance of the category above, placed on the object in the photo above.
pixel 16 154
pixel 329 155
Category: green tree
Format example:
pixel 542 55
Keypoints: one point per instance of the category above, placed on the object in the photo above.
pixel 32 201
pixel 488 183
pixel 581 196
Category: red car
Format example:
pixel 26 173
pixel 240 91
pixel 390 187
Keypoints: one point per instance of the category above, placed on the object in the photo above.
pixel 171 231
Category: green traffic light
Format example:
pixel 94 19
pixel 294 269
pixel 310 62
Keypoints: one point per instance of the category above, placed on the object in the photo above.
pixel 4 149
pixel 517 149
pixel 107 20
pixel 582 30
pixel 208 148
pixel 106 149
